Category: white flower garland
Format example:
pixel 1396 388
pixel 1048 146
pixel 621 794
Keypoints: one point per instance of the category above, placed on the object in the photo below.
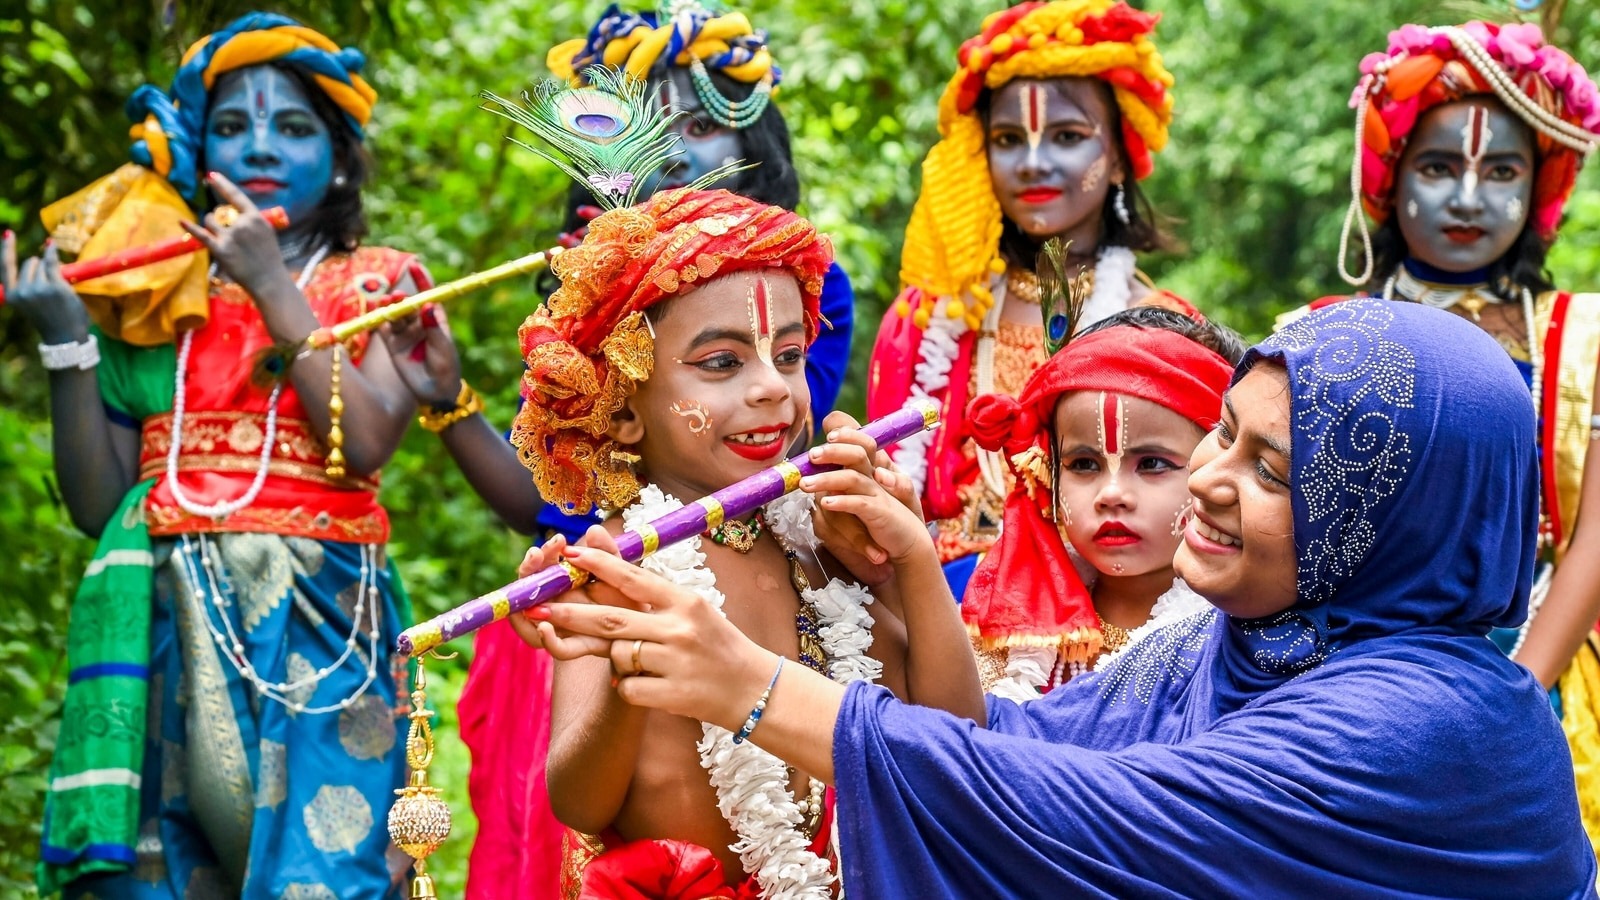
pixel 753 785
pixel 936 355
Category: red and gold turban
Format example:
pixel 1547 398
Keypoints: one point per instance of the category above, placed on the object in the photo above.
pixel 953 241
pixel 1425 67
pixel 589 347
pixel 1026 591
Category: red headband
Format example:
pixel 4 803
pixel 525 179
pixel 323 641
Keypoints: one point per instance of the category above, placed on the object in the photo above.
pixel 1026 591
pixel 1152 364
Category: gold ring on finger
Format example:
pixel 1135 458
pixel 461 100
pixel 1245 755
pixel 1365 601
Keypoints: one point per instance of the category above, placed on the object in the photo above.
pixel 226 215
pixel 638 666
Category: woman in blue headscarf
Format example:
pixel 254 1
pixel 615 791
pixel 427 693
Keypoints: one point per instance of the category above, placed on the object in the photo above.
pixel 1338 722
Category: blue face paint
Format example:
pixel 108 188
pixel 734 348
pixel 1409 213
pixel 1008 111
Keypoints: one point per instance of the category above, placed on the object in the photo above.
pixel 263 135
pixel 703 144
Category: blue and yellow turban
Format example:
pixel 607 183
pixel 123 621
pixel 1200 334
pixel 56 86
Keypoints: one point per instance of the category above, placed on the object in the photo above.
pixel 171 125
pixel 143 203
pixel 635 42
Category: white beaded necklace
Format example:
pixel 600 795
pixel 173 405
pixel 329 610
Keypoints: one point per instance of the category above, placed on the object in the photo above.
pixel 225 508
pixel 288 693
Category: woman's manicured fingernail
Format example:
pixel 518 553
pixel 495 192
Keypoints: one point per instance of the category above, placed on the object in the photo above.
pixel 9 234
pixel 212 176
pixel 49 242
pixel 538 613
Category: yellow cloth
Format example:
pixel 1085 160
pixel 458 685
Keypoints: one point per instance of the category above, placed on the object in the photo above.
pixel 1580 719
pixel 131 207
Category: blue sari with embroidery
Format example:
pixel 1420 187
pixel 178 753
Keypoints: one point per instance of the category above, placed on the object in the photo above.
pixel 1368 741
pixel 245 796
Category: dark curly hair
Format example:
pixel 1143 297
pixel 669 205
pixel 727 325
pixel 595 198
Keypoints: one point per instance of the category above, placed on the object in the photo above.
pixel 1523 266
pixel 1219 339
pixel 341 219
pixel 764 145
pixel 1142 232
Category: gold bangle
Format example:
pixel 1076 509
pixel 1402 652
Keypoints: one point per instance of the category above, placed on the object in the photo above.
pixel 467 403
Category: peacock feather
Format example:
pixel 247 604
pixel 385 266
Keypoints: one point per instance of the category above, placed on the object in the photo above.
pixel 608 134
pixel 1061 295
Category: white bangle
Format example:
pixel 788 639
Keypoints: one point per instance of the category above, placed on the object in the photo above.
pixel 84 355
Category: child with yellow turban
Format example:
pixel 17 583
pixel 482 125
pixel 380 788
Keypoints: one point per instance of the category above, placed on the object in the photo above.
pixel 1052 117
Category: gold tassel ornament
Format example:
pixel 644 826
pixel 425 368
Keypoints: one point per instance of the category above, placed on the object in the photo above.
pixel 420 820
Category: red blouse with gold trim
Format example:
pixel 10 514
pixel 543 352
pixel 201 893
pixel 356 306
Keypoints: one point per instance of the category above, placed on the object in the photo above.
pixel 225 418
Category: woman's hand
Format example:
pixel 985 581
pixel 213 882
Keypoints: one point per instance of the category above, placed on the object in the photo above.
pixel 425 356
pixel 868 515
pixel 42 296
pixel 245 248
pixel 670 649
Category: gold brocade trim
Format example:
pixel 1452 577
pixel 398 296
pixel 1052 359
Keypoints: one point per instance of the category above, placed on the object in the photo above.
pixel 230 441
pixel 1079 645
pixel 1574 400
pixel 1580 720
pixel 577 851
pixel 249 464
pixel 170 520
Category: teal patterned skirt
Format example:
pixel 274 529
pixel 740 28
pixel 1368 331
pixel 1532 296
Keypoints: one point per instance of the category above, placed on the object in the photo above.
pixel 275 787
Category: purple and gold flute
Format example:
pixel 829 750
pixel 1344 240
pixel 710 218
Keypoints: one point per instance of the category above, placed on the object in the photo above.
pixel 734 501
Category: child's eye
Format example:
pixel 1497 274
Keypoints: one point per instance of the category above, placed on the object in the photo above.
pixel 1004 139
pixel 1083 464
pixel 792 356
pixel 298 126
pixel 1224 436
pixel 719 362
pixel 1156 465
pixel 225 125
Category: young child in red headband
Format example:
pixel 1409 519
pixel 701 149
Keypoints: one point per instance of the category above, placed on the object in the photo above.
pixel 1099 442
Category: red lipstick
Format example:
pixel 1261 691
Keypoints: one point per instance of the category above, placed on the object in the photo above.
pixel 1463 234
pixel 1039 195
pixel 758 452
pixel 1116 534
pixel 261 185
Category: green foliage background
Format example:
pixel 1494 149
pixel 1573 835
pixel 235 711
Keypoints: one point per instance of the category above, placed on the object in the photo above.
pixel 1255 180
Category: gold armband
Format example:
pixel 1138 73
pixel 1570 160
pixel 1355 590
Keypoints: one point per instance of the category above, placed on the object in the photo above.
pixel 467 403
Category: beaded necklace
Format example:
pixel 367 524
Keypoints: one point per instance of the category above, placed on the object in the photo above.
pixel 225 508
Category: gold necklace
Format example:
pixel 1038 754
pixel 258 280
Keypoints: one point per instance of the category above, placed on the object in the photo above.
pixel 1113 637
pixel 1023 285
pixel 739 535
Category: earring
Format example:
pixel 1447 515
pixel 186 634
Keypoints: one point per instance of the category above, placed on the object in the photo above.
pixel 340 181
pixel 1119 203
pixel 1411 209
